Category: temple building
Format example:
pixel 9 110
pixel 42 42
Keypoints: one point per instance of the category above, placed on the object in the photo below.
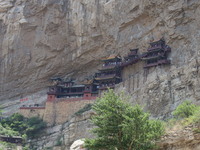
pixel 156 54
pixel 91 88
pixel 131 58
pixel 110 73
pixel 68 89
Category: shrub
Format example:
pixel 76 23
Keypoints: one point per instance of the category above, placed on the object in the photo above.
pixel 7 131
pixel 31 127
pixel 16 122
pixel 195 118
pixel 185 110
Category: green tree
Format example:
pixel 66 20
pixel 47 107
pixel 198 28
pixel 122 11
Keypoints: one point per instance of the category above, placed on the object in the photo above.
pixel 121 126
pixel 185 110
pixel 16 122
pixel 7 131
pixel 31 127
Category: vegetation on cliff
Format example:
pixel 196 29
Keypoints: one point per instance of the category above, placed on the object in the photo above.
pixel 185 114
pixel 121 126
pixel 30 127
pixel 185 110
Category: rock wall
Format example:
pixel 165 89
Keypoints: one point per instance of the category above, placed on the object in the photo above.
pixel 62 136
pixel 161 89
pixel 57 111
pixel 61 110
pixel 177 138
pixel 40 39
pixel 32 112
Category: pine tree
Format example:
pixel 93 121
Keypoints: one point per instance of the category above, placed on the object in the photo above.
pixel 119 126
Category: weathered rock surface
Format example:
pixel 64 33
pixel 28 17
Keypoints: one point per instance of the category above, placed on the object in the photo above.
pixel 77 145
pixel 63 136
pixel 40 39
pixel 181 139
pixel 68 136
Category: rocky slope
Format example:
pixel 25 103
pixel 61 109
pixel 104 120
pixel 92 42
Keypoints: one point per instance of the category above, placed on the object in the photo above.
pixel 68 136
pixel 62 136
pixel 186 138
pixel 44 38
pixel 40 39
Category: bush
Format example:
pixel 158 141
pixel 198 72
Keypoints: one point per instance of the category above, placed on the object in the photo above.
pixel 31 127
pixel 195 118
pixel 7 131
pixel 185 110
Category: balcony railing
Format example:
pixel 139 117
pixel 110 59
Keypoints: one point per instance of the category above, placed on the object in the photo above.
pixel 65 93
pixel 151 65
pixel 71 99
pixel 102 77
pixel 106 87
pixel 151 57
pixel 155 48
pixel 111 66
pixel 159 62
pixel 130 62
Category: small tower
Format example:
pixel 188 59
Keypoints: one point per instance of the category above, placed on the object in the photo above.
pixel 110 73
pixel 156 54
pixel 53 92
pixel 91 89
pixel 54 89
pixel 132 58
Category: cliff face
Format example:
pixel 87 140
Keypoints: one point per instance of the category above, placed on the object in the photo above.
pixel 62 136
pixel 181 138
pixel 40 39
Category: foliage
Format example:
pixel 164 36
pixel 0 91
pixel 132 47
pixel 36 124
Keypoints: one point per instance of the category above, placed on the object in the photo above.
pixel 48 148
pixel 184 115
pixel 25 126
pixel 185 110
pixel 121 126
pixel 16 122
pixel 194 118
pixel 84 109
pixel 7 131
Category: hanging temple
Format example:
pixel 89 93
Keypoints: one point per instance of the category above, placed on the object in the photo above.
pixel 109 75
